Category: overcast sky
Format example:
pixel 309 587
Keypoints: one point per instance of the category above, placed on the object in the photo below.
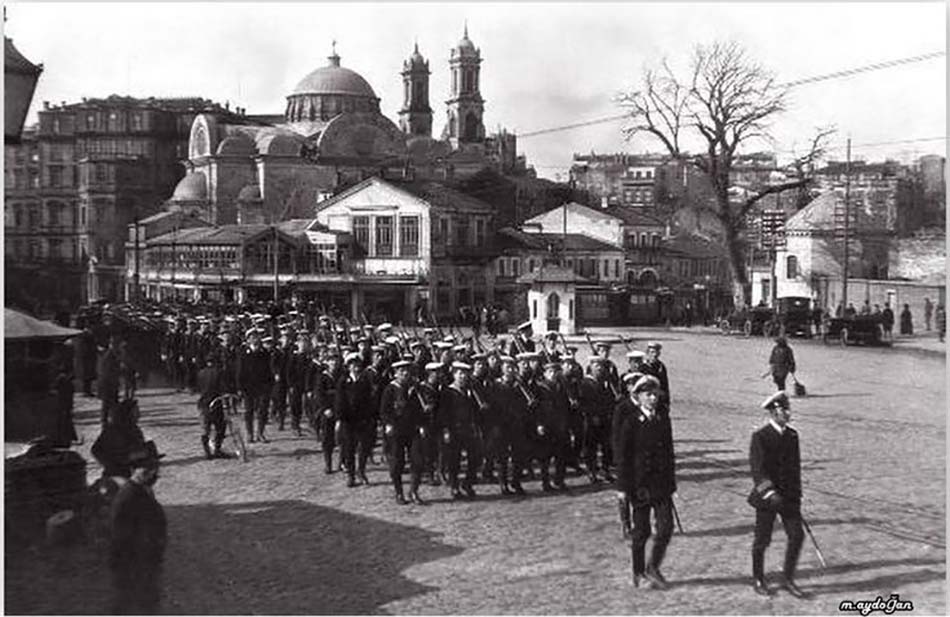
pixel 544 65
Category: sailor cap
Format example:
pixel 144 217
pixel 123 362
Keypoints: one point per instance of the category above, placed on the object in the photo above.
pixel 780 398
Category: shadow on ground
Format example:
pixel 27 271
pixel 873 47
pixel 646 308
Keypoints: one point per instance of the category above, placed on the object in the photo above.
pixel 274 557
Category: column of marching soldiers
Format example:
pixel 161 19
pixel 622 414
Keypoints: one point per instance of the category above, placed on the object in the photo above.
pixel 512 408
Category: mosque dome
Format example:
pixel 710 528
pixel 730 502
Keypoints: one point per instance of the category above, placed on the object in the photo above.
pixel 328 91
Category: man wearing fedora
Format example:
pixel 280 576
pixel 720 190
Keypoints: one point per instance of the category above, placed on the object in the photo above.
pixel 139 535
pixel 777 473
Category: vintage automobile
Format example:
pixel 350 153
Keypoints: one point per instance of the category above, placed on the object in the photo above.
pixel 866 329
pixel 794 316
pixel 759 320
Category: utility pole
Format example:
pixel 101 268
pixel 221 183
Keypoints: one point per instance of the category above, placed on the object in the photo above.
pixel 847 217
pixel 136 294
pixel 276 261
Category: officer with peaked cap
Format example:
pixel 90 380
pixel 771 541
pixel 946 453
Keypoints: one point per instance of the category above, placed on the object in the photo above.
pixel 646 474
pixel 775 459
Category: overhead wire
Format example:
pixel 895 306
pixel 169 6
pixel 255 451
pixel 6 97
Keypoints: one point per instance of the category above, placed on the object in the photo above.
pixel 877 66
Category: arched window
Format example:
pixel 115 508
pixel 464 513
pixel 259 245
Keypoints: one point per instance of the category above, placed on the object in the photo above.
pixel 791 267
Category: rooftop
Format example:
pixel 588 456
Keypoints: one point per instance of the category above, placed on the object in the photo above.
pixel 508 237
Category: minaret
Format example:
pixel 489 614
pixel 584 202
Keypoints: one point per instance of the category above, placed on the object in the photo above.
pixel 466 106
pixel 415 117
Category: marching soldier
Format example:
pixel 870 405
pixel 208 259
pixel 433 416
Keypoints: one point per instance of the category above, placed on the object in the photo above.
pixel 353 407
pixel 480 386
pixel 457 413
pixel 210 386
pixel 428 392
pixel 552 418
pixel 596 403
pixel 300 377
pixel 324 395
pixel 602 349
pixel 646 475
pixel 775 460
pixel 635 359
pixel 505 440
pixel 572 377
pixel 400 414
pixel 254 382
pixel 280 365
pixel 652 365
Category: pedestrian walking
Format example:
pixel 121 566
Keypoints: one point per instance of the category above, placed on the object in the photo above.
pixel 139 536
pixel 781 362
pixel 108 377
pixel 775 460
pixel 907 321
pixel 646 475
pixel 887 321
pixel 941 321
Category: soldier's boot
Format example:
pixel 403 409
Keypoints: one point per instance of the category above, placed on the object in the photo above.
pixel 758 573
pixel 414 492
pixel 206 447
pixel 623 507
pixel 261 437
pixel 400 497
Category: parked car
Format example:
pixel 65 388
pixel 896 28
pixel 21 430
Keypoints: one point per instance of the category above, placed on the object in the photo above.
pixel 794 316
pixel 866 329
pixel 759 320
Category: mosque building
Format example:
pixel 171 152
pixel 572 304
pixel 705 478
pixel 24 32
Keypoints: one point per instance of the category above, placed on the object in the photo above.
pixel 249 169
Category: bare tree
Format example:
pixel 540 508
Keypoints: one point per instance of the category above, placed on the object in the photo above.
pixel 727 101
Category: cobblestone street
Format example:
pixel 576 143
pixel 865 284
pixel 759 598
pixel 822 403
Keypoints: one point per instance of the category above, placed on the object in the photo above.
pixel 278 536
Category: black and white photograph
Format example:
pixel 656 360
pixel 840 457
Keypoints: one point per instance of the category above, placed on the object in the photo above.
pixel 471 308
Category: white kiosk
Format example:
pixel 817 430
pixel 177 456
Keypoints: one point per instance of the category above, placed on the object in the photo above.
pixel 551 298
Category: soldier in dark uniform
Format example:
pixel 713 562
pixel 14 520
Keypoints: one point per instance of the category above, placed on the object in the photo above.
pixel 300 377
pixel 646 474
pixel 635 360
pixel 254 382
pixel 652 365
pixel 571 377
pixel 280 365
pixel 505 440
pixel 524 342
pixel 596 404
pixel 401 417
pixel 610 369
pixel 429 394
pixel 377 373
pixel 775 460
pixel 138 538
pixel 552 427
pixel 421 357
pixel 210 386
pixel 353 407
pixel 480 385
pixel 324 395
pixel 457 413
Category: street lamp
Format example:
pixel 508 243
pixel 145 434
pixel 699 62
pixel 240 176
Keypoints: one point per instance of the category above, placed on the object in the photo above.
pixel 19 82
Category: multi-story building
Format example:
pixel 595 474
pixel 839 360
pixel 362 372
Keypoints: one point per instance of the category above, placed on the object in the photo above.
pixel 85 173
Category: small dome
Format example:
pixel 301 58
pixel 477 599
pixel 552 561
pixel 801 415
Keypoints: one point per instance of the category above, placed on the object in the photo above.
pixel 193 187
pixel 416 58
pixel 465 46
pixel 251 192
pixel 279 144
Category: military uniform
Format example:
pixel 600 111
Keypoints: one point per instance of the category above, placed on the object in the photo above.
pixel 401 417
pixel 596 405
pixel 353 407
pixel 255 381
pixel 553 441
pixel 457 416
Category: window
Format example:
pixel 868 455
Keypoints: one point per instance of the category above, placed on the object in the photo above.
pixel 656 240
pixel 791 267
pixel 616 268
pixel 54 215
pixel 136 121
pixel 55 249
pixel 479 232
pixel 501 267
pixel 444 230
pixel 531 265
pixel 534 309
pixel 384 236
pixel 56 176
pixel 606 268
pixel 17 216
pixel 515 266
pixel 361 232
pixel 82 216
pixel 90 121
pixel 409 236
pixel 461 231
pixel 101 172
pixel 113 121
pixel 32 219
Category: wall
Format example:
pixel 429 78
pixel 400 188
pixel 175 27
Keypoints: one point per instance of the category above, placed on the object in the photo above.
pixel 921 258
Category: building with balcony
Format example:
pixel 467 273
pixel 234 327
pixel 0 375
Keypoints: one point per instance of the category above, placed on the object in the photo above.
pixel 76 181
